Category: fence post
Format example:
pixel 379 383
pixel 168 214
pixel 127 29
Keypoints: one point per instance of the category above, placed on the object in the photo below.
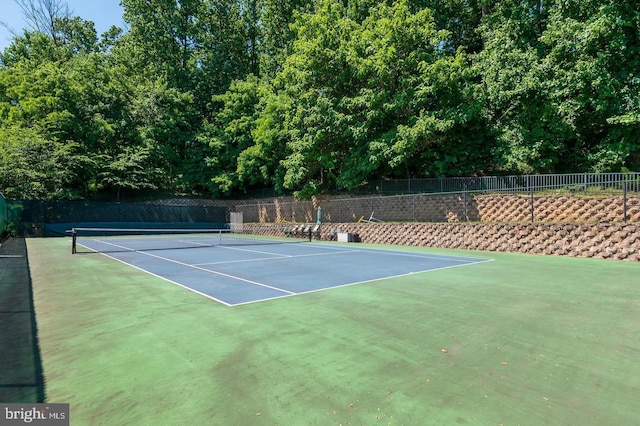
pixel 464 200
pixel 532 207
pixel 413 207
pixel 624 200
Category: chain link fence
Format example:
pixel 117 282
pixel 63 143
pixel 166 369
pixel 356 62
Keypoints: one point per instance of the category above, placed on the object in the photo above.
pixel 526 183
pixel 576 198
pixel 579 198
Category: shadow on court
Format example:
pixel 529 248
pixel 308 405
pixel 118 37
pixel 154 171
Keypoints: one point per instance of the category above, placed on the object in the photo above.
pixel 21 377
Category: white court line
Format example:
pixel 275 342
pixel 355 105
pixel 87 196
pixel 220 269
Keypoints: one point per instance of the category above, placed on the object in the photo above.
pixel 350 250
pixel 404 254
pixel 363 282
pixel 255 259
pixel 198 268
pixel 161 277
pixel 254 251
pixel 337 250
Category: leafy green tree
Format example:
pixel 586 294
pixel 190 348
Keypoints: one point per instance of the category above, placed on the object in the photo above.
pixel 42 95
pixel 315 78
pixel 262 162
pixel 307 95
pixel 277 36
pixel 592 56
pixel 70 94
pixel 528 135
pixel 226 51
pixel 375 98
pixel 164 34
pixel 196 46
pixel 461 19
pixel 34 167
pixel 35 47
pixel 77 35
pixel 557 85
pixel 432 124
pixel 164 120
pixel 130 170
pixel 229 133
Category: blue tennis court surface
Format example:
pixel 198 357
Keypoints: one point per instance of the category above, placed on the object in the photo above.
pixel 236 275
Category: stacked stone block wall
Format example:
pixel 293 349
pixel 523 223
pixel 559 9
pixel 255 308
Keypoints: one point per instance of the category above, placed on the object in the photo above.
pixel 605 241
pixel 563 225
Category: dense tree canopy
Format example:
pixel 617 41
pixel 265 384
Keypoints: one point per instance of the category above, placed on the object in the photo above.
pixel 217 97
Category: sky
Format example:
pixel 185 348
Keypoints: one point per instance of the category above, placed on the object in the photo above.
pixel 103 13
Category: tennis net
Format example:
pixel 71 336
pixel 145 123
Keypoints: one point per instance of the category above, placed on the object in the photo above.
pixel 105 240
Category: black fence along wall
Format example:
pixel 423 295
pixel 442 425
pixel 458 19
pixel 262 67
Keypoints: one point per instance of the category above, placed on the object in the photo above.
pixel 452 208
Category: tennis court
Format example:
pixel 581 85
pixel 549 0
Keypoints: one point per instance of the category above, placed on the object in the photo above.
pixel 236 269
pixel 522 339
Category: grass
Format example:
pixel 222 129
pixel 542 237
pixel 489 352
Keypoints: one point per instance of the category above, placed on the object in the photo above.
pixel 520 340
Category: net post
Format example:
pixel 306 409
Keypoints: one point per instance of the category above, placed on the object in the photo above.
pixel 73 240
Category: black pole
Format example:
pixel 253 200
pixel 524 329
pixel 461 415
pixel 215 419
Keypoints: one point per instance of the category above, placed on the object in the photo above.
pixel 464 201
pixel 532 208
pixel 624 200
pixel 73 241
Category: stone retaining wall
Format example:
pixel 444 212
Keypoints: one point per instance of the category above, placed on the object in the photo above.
pixel 564 225
pixel 557 209
pixel 605 241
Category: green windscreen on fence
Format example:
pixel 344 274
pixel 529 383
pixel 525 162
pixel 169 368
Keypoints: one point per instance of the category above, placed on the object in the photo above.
pixel 3 215
pixel 54 218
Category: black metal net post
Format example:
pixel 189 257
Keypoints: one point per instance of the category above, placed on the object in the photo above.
pixel 74 240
